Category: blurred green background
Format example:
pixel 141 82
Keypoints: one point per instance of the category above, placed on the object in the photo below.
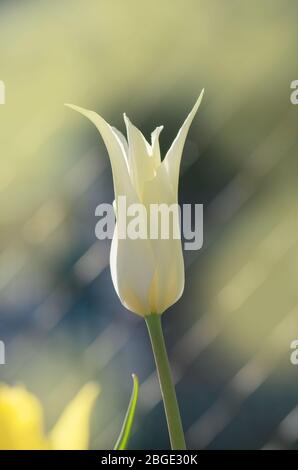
pixel 62 323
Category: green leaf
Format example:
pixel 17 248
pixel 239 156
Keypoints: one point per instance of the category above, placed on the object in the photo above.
pixel 125 432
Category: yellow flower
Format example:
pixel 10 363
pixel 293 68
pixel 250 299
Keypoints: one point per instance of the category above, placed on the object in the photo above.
pixel 21 421
pixel 147 272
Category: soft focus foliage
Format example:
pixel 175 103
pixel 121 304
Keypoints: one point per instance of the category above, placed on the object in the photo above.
pixel 126 430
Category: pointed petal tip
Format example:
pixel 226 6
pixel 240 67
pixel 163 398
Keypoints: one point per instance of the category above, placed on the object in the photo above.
pixel 129 124
pixel 198 102
pixel 69 105
pixel 196 105
pixel 79 109
pixel 126 118
pixel 156 132
pixel 92 115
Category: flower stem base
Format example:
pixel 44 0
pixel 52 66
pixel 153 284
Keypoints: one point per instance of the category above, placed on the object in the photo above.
pixel 176 434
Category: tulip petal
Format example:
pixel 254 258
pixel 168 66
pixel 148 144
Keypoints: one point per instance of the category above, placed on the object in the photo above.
pixel 141 162
pixel 173 157
pixel 71 432
pixel 116 150
pixel 168 280
pixel 124 142
pixel 155 146
pixel 132 267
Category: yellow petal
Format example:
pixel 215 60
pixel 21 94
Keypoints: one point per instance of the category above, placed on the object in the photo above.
pixel 21 420
pixel 173 157
pixel 71 432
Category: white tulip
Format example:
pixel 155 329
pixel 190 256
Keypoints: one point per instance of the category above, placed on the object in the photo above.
pixel 148 274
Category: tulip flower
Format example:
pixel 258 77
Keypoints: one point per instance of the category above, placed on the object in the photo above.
pixel 148 274
pixel 21 421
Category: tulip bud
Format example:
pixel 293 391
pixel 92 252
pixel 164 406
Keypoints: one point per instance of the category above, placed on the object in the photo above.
pixel 147 273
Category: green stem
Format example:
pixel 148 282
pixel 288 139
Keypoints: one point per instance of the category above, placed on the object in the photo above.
pixel 176 434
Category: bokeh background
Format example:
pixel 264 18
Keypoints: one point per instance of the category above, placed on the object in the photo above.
pixel 229 336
